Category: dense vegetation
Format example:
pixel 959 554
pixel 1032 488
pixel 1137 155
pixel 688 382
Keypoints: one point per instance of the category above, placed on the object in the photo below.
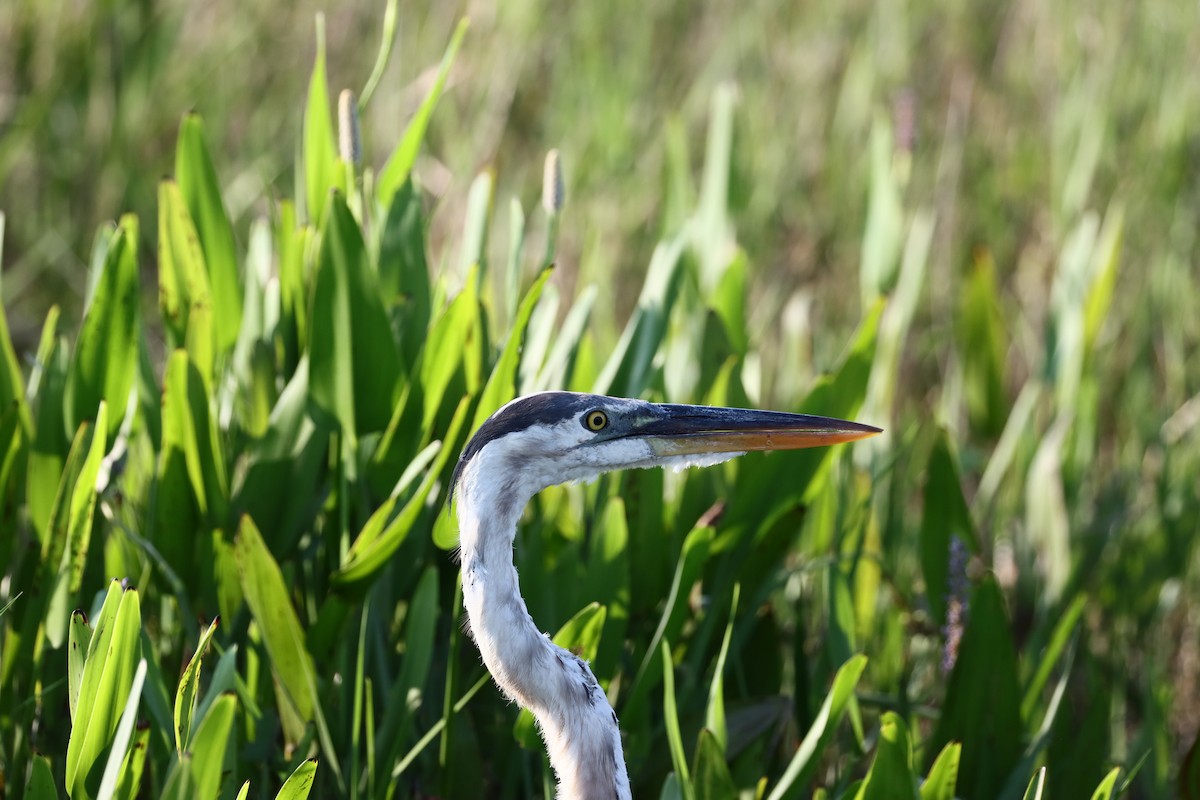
pixel 974 229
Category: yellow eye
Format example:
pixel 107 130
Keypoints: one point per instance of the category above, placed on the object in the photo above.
pixel 596 420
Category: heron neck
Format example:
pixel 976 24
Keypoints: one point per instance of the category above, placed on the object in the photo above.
pixel 576 721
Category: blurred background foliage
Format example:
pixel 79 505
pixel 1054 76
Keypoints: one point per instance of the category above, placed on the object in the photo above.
pixel 1018 180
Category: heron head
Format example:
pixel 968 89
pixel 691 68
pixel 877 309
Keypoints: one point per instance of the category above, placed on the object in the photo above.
pixel 561 437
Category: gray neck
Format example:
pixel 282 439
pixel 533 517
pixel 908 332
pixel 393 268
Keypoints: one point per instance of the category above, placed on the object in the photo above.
pixel 576 721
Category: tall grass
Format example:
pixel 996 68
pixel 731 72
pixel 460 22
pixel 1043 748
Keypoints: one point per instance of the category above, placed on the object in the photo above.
pixel 993 600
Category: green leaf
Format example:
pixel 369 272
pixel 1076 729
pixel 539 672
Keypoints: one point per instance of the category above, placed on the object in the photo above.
pixel 883 234
pixel 321 171
pixel 396 171
pixel 377 543
pixel 1107 787
pixel 943 775
pixel 198 184
pixel 300 782
pixel 288 458
pixel 183 287
pixel 982 333
pixel 891 776
pixel 1036 784
pixel 983 701
pixel 108 675
pixel 403 271
pixel 192 483
pixel 189 686
pixel 118 760
pixel 710 774
pixel 671 718
pixel 1106 258
pixel 179 784
pixel 1057 645
pixel 502 384
pixel 714 712
pixel 50 442
pixel 106 351
pixel 804 763
pixel 41 780
pixel 946 516
pixel 454 332
pixel 267 596
pixel 71 528
pixel 473 250
pixel 695 553
pixel 354 365
pixel 629 366
pixel 12 386
pixel 134 765
pixel 78 638
pixel 208 746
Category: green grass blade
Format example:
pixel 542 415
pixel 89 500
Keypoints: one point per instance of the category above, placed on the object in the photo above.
pixel 945 517
pixel 75 531
pixel 671 717
pixel 404 282
pixel 1055 648
pixel 321 171
pixel 78 638
pixel 267 596
pixel 208 745
pixel 983 694
pixel 1107 787
pixel 710 774
pixel 502 384
pixel 354 365
pixel 891 776
pixel 446 347
pixel 943 775
pixel 41 780
pixel 107 680
pixel 390 17
pixel 714 712
pixel 300 782
pixel 201 192
pixel 396 171
pixel 473 249
pixel 184 293
pixel 1036 785
pixel 628 369
pixel 106 351
pixel 118 755
pixel 371 550
pixel 804 763
pixel 189 686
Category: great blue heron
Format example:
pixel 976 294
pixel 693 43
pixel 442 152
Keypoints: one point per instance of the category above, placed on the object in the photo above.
pixel 561 437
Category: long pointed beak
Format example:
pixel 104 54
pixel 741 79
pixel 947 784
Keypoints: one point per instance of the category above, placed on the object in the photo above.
pixel 686 430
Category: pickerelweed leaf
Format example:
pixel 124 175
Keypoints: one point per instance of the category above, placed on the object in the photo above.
pixel 804 763
pixel 354 366
pixel 71 528
pixel 267 596
pixel 106 350
pixel 943 775
pixel 891 776
pixel 108 676
pixel 189 686
pixel 202 194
